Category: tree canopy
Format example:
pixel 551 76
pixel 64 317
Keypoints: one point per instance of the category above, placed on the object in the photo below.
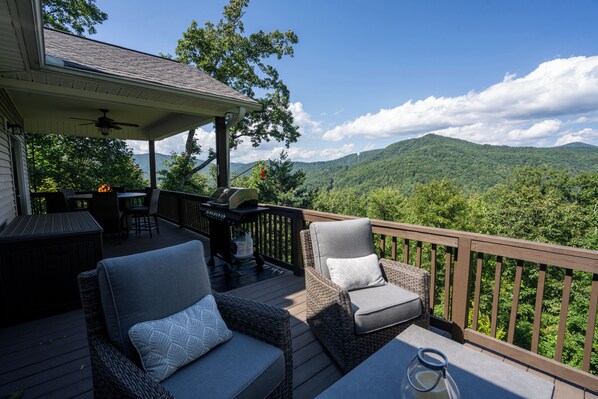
pixel 81 163
pixel 242 61
pixel 74 16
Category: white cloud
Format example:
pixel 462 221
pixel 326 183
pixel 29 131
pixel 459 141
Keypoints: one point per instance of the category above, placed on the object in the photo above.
pixel 536 131
pixel 368 147
pixel 175 143
pixel 516 110
pixel 584 136
pixel 303 119
pixel 246 153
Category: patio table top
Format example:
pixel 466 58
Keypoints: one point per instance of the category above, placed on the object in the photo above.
pixel 476 374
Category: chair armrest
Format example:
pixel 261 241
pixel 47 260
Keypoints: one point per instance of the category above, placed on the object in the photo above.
pixel 408 277
pixel 264 322
pixel 327 295
pixel 114 375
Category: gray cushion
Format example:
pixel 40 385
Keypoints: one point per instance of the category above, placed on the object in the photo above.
pixel 243 367
pixel 168 344
pixel 344 239
pixel 150 286
pixel 379 307
pixel 355 273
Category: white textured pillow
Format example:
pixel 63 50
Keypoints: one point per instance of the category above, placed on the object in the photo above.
pixel 355 273
pixel 168 344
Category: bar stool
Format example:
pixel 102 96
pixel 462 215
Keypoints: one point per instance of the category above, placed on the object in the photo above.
pixel 146 211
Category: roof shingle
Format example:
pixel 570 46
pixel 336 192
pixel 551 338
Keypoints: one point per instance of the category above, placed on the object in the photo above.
pixel 86 54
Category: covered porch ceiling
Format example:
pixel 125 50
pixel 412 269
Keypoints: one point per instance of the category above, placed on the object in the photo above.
pixel 52 107
pixel 52 77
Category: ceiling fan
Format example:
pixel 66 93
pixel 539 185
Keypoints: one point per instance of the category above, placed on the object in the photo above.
pixel 105 124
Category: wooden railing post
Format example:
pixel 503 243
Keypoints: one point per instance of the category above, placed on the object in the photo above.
pixel 296 254
pixel 461 277
pixel 179 204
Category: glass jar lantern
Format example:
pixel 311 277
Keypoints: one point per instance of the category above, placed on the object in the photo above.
pixel 427 377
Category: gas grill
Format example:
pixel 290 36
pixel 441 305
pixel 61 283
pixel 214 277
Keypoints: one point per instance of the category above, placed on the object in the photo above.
pixel 224 222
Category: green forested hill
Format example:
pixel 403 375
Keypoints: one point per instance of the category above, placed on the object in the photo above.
pixel 404 164
pixel 473 166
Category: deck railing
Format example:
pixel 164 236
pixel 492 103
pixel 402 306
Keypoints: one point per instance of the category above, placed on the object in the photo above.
pixel 478 310
pixel 519 279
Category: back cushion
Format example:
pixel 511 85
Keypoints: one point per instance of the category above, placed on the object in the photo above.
pixel 344 239
pixel 150 286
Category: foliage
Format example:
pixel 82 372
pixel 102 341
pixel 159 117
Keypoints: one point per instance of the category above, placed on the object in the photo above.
pixel 179 176
pixel 473 167
pixel 440 203
pixel 241 61
pixel 385 204
pixel 83 164
pixel 72 16
pixel 280 186
pixel 535 204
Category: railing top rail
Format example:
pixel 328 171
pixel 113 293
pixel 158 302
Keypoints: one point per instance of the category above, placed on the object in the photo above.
pixel 551 254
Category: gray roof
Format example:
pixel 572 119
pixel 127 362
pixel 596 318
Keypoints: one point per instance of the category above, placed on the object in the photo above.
pixel 86 54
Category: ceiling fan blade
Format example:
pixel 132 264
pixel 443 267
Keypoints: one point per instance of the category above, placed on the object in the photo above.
pixel 83 119
pixel 85 124
pixel 126 124
pixel 115 127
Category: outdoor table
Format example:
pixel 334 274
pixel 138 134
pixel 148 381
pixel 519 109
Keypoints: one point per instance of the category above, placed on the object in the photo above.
pixel 477 375
pixel 127 195
pixel 124 198
pixel 40 258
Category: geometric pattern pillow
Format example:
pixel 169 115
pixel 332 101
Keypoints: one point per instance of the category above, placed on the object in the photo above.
pixel 355 273
pixel 168 344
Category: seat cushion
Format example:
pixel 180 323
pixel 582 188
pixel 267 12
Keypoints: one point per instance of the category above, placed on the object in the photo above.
pixel 168 344
pixel 150 286
pixel 344 239
pixel 242 367
pixel 380 307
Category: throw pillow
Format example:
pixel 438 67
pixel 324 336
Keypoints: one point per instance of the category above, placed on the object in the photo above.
pixel 355 273
pixel 168 344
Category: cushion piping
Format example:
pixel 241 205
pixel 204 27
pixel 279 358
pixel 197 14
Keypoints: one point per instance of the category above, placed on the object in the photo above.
pixel 117 315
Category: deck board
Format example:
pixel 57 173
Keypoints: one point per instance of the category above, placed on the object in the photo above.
pixel 49 357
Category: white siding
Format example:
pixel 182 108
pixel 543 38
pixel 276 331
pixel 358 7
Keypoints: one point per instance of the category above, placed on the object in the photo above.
pixel 8 208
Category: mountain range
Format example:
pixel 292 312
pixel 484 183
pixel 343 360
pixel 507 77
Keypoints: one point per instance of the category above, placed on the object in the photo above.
pixel 404 164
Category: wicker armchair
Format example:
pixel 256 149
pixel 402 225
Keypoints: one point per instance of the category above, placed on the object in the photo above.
pixel 115 375
pixel 330 313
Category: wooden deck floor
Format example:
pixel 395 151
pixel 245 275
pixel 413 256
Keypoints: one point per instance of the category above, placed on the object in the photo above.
pixel 49 358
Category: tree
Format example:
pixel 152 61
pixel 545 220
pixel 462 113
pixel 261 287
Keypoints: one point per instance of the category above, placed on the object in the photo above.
pixel 537 204
pixel 241 61
pixel 81 163
pixel 72 16
pixel 178 176
pixel 346 201
pixel 280 185
pixel 440 203
pixel 386 204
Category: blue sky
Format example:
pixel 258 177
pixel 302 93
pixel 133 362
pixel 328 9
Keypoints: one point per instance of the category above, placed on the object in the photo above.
pixel 367 74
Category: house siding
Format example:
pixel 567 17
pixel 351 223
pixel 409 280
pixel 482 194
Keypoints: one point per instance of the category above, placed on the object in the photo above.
pixel 8 207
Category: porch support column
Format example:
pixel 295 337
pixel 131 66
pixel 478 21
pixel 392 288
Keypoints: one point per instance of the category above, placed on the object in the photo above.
pixel 222 153
pixel 152 163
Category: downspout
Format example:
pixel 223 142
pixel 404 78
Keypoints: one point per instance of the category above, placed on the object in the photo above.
pixel 238 118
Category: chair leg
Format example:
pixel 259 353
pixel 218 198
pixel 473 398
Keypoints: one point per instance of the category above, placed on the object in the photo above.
pixel 149 224
pixel 157 226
